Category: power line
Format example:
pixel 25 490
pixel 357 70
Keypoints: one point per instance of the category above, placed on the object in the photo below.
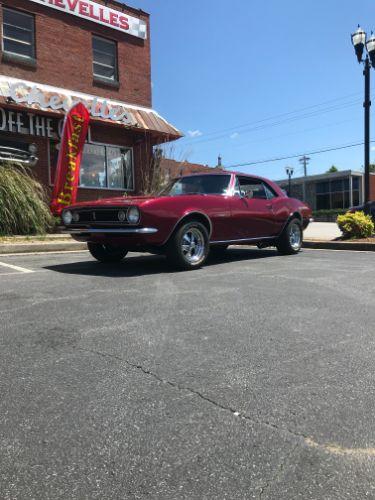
pixel 280 122
pixel 299 131
pixel 270 160
pixel 323 103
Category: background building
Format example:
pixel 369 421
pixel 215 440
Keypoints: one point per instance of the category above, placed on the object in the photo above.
pixel 56 53
pixel 337 190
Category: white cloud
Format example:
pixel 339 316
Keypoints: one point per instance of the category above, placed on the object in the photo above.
pixel 234 135
pixel 372 148
pixel 194 133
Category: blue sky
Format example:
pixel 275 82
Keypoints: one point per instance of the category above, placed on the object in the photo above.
pixel 257 80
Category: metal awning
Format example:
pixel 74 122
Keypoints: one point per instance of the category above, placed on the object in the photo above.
pixel 57 101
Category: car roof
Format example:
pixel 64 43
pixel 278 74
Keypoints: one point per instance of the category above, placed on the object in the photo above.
pixel 273 185
pixel 224 172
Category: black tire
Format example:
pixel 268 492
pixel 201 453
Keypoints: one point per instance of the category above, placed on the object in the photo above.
pixel 106 253
pixel 290 241
pixel 218 250
pixel 188 247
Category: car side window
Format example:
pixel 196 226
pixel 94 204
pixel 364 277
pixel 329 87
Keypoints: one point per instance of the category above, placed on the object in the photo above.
pixel 270 192
pixel 237 188
pixel 252 188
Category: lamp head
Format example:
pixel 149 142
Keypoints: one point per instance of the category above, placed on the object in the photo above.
pixel 370 46
pixel 359 42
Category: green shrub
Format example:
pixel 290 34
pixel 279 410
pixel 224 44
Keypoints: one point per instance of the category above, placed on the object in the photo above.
pixel 328 212
pixel 356 225
pixel 23 202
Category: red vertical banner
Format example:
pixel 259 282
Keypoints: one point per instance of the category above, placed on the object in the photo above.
pixel 69 160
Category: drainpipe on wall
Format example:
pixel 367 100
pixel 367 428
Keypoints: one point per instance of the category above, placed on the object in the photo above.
pixel 350 190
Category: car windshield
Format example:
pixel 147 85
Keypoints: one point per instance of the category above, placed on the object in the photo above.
pixel 198 184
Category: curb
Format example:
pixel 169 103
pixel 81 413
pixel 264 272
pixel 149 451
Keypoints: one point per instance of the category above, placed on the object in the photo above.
pixel 340 245
pixel 67 246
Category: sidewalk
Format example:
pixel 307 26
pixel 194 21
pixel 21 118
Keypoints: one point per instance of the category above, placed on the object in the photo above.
pixel 322 231
pixel 34 244
pixel 323 235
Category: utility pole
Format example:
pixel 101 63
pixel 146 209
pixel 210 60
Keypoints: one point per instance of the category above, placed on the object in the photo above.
pixel 305 161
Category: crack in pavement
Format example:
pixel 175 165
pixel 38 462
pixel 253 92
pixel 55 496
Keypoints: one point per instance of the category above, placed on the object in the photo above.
pixel 304 439
pixel 236 413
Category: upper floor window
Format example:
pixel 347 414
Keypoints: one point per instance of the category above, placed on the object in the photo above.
pixel 104 59
pixel 18 33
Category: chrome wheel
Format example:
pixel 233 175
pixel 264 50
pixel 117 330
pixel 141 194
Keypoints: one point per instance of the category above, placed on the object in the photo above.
pixel 295 236
pixel 193 245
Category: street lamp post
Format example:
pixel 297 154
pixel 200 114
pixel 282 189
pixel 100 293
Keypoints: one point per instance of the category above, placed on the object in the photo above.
pixel 359 40
pixel 289 172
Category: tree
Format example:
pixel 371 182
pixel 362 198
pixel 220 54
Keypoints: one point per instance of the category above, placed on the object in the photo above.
pixel 372 167
pixel 332 169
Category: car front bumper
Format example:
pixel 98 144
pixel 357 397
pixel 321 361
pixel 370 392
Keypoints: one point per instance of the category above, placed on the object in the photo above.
pixel 126 237
pixel 110 231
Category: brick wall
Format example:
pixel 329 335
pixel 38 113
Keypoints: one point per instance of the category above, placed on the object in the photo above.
pixel 372 187
pixel 64 54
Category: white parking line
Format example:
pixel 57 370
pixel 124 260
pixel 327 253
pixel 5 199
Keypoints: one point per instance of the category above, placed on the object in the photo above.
pixel 20 254
pixel 16 268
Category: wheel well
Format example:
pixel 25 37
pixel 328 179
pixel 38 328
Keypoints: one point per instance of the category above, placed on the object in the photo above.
pixel 296 215
pixel 197 216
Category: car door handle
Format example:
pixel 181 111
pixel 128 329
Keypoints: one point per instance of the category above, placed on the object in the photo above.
pixel 269 205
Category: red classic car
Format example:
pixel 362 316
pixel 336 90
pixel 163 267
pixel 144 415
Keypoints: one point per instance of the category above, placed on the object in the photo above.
pixel 192 216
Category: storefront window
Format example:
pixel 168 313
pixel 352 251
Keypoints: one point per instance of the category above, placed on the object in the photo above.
pixel 93 166
pixel 338 200
pixel 119 168
pixel 333 194
pixel 107 167
pixel 355 198
pixel 323 202
pixel 322 187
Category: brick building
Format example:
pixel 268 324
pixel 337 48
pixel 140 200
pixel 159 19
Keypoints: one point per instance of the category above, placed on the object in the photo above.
pixel 171 169
pixel 57 52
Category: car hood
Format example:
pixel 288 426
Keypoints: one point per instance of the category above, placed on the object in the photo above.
pixel 120 201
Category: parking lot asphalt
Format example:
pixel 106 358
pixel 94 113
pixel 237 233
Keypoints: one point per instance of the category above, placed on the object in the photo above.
pixel 252 377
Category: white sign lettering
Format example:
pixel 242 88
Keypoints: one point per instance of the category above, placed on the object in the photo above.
pixel 30 124
pixel 101 14
pixel 21 92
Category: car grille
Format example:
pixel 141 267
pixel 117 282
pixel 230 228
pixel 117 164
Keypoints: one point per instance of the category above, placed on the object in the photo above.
pixel 100 215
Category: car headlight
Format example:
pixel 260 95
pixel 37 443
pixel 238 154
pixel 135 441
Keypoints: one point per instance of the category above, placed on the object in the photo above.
pixel 75 216
pixel 133 215
pixel 67 217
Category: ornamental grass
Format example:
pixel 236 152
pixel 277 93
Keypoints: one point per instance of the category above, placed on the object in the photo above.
pixel 23 202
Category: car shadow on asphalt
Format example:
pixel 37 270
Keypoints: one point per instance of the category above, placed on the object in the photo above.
pixel 141 265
